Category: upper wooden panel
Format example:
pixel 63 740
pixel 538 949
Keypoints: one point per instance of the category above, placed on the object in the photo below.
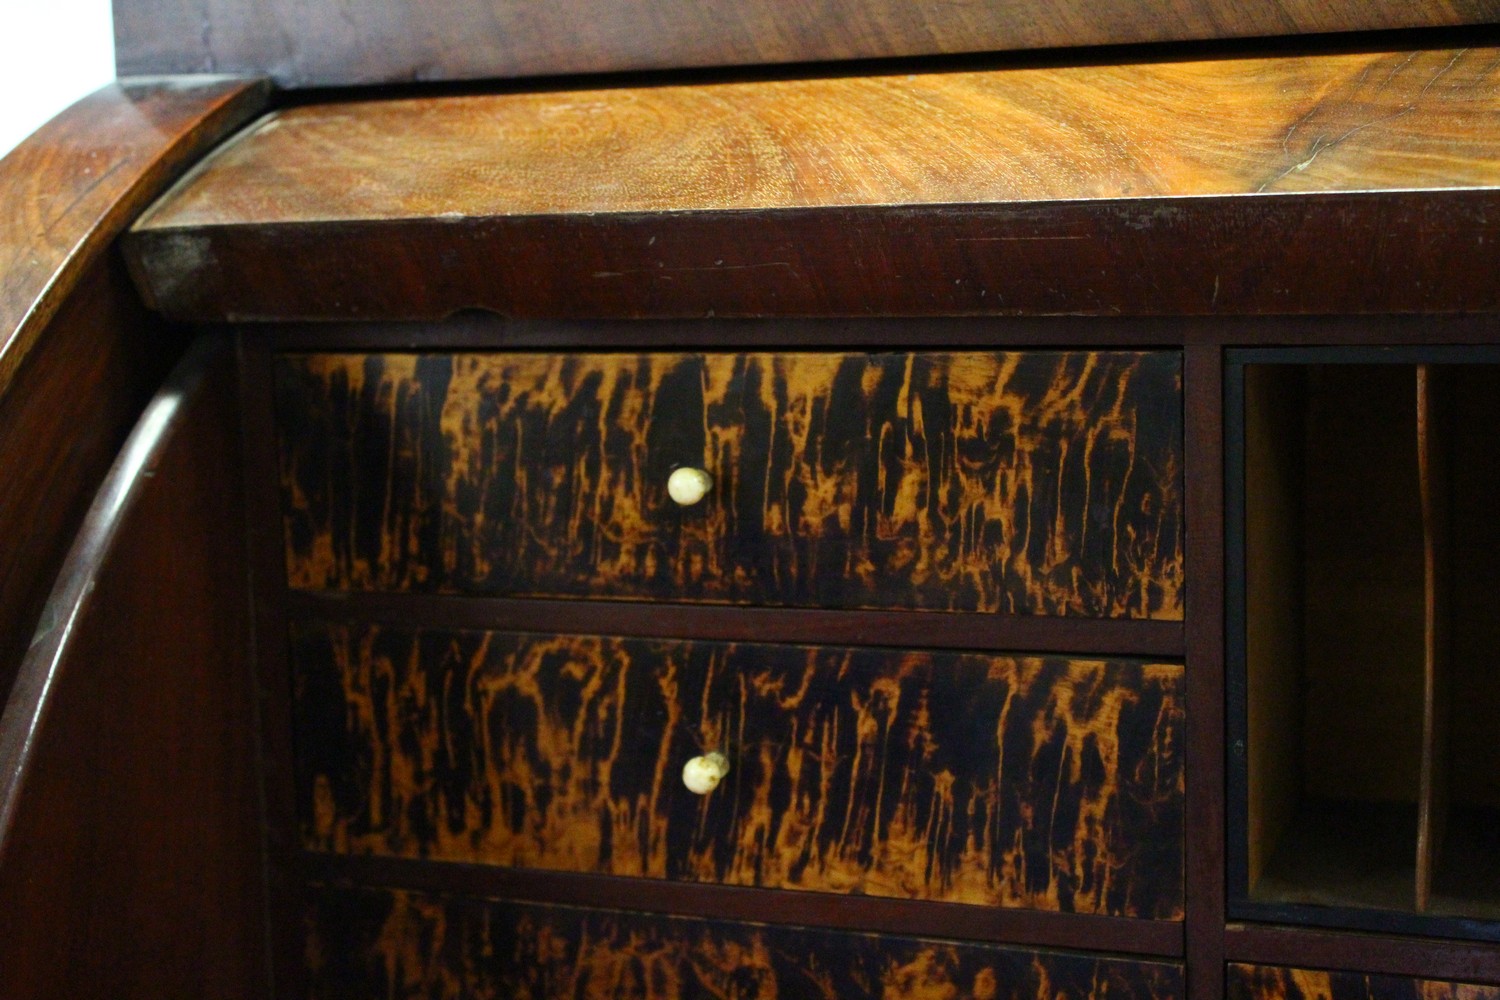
pixel 1344 122
pixel 1023 483
pixel 1085 189
pixel 303 43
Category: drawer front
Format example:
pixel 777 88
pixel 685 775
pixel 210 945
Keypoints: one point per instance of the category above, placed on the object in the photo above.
pixel 1029 483
pixel 1273 982
pixel 387 944
pixel 1034 782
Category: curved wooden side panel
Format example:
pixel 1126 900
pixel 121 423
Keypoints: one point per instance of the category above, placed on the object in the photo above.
pixel 130 858
pixel 79 355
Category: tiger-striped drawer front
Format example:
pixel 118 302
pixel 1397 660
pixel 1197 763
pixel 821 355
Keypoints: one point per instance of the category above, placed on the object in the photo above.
pixel 1037 782
pixel 1038 482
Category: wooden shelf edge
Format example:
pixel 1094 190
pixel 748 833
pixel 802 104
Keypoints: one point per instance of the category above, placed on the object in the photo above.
pixel 1303 947
pixel 735 623
pixel 1074 932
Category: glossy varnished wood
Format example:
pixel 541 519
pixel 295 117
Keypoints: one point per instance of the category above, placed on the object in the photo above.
pixel 79 356
pixel 68 190
pixel 1264 982
pixel 130 855
pixel 63 418
pixel 1023 782
pixel 1337 122
pixel 397 944
pixel 325 42
pixel 1078 189
pixel 1031 483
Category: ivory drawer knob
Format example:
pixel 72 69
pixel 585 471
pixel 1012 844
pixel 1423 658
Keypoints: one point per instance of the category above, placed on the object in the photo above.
pixel 687 486
pixel 703 774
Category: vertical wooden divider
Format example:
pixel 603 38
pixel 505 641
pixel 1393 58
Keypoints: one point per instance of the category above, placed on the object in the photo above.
pixel 1432 472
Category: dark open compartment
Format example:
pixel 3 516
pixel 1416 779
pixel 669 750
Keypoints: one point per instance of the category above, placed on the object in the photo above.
pixel 1365 623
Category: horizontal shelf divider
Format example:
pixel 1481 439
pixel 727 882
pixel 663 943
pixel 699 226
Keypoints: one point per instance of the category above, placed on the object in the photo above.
pixel 485 331
pixel 1304 947
pixel 1023 928
pixel 736 623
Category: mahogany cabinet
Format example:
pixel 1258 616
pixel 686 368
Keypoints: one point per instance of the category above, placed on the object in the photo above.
pixel 1011 524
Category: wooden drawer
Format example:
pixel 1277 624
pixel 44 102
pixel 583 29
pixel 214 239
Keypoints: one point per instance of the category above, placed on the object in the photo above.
pixel 1035 782
pixel 1274 982
pixel 1030 483
pixel 386 944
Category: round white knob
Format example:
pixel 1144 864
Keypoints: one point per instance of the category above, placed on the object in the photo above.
pixel 688 486
pixel 703 774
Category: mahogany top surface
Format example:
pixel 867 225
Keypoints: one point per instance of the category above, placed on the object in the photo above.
pixel 1341 122
pixel 335 42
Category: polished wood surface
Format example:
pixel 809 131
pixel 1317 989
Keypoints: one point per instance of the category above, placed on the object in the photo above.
pixel 130 855
pixel 324 42
pixel 1035 782
pixel 373 943
pixel 1256 124
pixel 68 190
pixel 1021 483
pixel 1089 189
pixel 63 418
pixel 79 356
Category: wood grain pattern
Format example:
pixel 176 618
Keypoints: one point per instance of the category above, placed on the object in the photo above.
pixel 71 188
pixel 1338 122
pixel 79 357
pixel 1066 189
pixel 1266 982
pixel 130 854
pixel 1035 483
pixel 1023 782
pixel 63 418
pixel 396 944
pixel 326 42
